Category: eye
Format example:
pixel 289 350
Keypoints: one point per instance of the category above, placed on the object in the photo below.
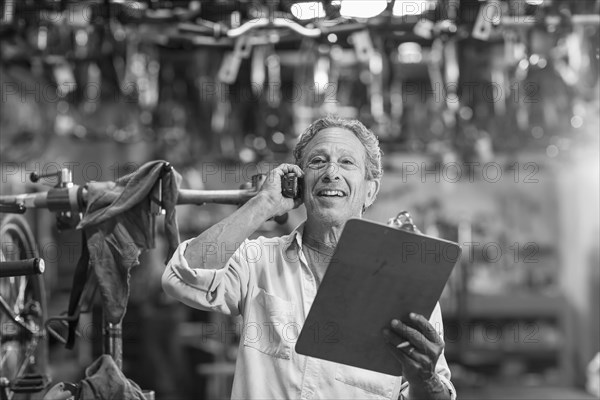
pixel 316 162
pixel 348 162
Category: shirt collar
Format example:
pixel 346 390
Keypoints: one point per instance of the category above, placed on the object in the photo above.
pixel 294 237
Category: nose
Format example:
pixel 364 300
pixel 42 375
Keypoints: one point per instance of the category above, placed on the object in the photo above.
pixel 331 172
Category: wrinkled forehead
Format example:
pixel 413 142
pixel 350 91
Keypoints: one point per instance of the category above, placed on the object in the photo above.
pixel 335 139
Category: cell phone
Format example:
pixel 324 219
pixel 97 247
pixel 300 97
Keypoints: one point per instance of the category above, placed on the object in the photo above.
pixel 291 186
pixel 71 387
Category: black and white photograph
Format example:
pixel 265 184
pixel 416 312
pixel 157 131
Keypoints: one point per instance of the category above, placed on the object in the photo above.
pixel 292 199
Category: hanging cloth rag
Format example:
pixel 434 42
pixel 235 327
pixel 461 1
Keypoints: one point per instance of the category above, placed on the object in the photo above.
pixel 117 226
pixel 105 381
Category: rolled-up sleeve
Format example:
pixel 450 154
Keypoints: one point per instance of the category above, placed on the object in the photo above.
pixel 442 370
pixel 221 290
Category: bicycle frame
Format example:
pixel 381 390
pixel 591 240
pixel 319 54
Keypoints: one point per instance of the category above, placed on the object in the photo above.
pixel 68 200
pixel 22 310
pixel 67 197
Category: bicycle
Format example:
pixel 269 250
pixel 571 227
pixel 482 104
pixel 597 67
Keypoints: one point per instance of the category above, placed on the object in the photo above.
pixel 22 309
pixel 22 293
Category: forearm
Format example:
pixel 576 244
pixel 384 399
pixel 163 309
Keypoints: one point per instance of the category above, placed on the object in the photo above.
pixel 212 248
pixel 430 389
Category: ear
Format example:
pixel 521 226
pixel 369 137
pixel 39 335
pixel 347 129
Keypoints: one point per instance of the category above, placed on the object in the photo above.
pixel 373 189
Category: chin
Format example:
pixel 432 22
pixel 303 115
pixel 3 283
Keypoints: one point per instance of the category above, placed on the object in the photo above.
pixel 331 217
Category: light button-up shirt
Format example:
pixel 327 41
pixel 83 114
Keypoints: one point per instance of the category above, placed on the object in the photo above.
pixel 269 283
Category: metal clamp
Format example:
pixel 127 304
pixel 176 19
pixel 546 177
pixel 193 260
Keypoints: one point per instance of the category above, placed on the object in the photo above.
pixel 403 221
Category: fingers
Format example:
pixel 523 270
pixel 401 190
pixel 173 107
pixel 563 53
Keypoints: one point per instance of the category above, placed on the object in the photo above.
pixel 273 178
pixel 413 336
pixel 400 344
pixel 287 168
pixel 415 344
pixel 421 336
pixel 415 361
pixel 271 189
pixel 412 356
pixel 423 325
pixel 420 327
pixel 404 351
pixel 393 339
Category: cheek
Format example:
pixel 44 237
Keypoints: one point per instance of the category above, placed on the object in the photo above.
pixel 357 185
pixel 311 177
pixel 363 192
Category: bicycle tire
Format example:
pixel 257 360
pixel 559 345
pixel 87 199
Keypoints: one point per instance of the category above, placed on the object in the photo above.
pixel 21 353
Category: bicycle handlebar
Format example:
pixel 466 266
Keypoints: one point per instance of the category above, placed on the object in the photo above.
pixel 71 198
pixel 199 197
pixel 216 30
pixel 32 266
pixel 263 22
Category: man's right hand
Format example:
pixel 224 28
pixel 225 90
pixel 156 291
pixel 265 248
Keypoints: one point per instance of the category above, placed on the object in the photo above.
pixel 210 250
pixel 271 190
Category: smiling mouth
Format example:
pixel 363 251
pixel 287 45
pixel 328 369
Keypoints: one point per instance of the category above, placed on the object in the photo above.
pixel 331 193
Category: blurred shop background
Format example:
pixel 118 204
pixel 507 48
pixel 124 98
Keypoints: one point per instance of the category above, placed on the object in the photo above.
pixel 487 112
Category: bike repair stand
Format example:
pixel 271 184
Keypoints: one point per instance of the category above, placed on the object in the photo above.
pixel 113 333
pixel 113 342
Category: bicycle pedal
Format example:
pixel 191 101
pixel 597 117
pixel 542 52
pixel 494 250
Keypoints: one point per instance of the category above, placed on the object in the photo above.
pixel 29 383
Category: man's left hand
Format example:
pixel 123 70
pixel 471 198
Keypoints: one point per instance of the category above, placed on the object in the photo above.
pixel 417 346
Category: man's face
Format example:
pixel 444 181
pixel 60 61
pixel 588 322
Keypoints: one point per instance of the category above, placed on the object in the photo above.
pixel 335 184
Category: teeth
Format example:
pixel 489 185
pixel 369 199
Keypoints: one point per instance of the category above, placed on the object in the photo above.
pixel 331 193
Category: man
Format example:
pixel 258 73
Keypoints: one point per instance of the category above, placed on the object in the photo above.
pixel 273 282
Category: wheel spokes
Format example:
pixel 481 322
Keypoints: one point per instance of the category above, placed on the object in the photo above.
pixel 19 322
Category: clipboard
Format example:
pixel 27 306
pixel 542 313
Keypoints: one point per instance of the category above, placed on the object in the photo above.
pixel 377 273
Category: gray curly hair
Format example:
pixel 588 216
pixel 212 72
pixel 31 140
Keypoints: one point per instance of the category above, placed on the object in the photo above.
pixel 374 169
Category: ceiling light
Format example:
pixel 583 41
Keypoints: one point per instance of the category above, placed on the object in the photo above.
pixel 362 9
pixel 410 53
pixel 310 10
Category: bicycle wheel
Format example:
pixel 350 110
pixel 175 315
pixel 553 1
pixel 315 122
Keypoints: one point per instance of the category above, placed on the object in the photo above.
pixel 23 344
